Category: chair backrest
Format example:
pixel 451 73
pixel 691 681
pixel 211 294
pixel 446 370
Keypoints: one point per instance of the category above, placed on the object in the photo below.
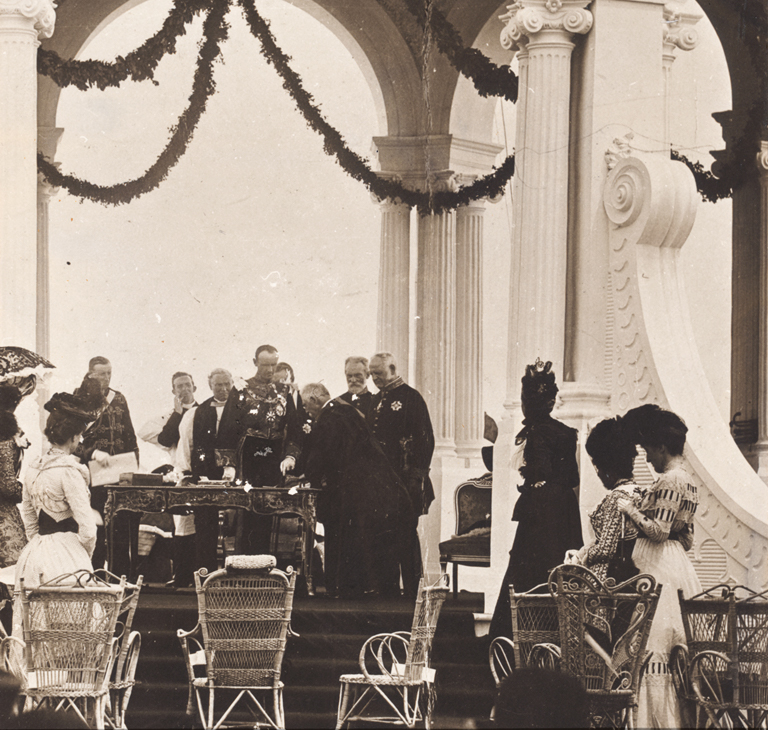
pixel 69 632
pixel 603 628
pixel 429 601
pixel 245 616
pixel 534 621
pixel 472 501
pixel 732 620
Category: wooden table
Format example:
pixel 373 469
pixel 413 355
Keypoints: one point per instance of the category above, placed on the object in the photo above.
pixel 134 497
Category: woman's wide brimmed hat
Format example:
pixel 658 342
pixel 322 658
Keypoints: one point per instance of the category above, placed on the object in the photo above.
pixel 70 405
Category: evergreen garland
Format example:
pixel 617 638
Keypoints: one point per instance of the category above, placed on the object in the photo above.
pixel 710 188
pixel 215 31
pixel 138 65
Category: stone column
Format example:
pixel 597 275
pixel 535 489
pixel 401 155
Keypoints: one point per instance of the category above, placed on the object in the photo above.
pixel 678 32
pixel 761 448
pixel 745 291
pixel 22 24
pixel 436 323
pixel 392 332
pixel 469 329
pixel 543 31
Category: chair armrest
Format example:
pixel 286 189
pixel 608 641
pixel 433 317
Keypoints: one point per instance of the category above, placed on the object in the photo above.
pixel 191 658
pixel 679 662
pixel 386 650
pixel 500 658
pixel 7 662
pixel 705 676
pixel 545 656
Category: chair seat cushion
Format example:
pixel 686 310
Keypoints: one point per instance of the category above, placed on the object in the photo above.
pixel 379 680
pixel 471 548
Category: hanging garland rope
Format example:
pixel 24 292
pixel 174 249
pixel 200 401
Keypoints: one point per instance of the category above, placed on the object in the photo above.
pixel 488 78
pixel 138 65
pixel 491 185
pixel 710 188
pixel 215 31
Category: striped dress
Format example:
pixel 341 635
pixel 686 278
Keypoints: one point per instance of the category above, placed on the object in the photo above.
pixel 665 524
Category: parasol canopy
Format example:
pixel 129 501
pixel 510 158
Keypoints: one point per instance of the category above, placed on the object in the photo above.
pixel 18 362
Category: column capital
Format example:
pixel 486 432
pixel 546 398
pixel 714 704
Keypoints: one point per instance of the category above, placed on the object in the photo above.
pixel 40 11
pixel 678 30
pixel 529 20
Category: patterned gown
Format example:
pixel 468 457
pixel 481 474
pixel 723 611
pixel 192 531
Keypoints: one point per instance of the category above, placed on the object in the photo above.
pixel 12 537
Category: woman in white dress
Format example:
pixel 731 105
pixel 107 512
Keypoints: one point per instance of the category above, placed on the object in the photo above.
pixel 56 509
pixel 664 520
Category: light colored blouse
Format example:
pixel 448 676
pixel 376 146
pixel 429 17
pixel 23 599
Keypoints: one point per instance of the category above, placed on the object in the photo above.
pixel 58 484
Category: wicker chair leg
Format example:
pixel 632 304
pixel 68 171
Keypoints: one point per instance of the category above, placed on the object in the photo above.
pixel 343 702
pixel 211 697
pixel 277 695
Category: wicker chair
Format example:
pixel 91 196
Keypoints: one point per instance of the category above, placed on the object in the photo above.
pixel 239 642
pixel 724 669
pixel 396 684
pixel 603 634
pixel 69 644
pixel 125 651
pixel 535 628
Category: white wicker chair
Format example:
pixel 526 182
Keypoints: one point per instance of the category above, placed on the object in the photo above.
pixel 396 684
pixel 239 641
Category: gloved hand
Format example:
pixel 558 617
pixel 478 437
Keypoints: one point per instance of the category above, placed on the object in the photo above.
pixel 287 464
pixel 229 474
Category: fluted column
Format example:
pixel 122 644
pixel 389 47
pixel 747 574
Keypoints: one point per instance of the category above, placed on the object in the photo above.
pixel 762 419
pixel 678 32
pixel 22 24
pixel 544 32
pixel 436 322
pixel 392 332
pixel 469 329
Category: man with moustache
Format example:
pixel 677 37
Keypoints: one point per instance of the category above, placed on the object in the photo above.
pixel 163 431
pixel 258 440
pixel 109 435
pixel 199 439
pixel 358 395
pixel 401 424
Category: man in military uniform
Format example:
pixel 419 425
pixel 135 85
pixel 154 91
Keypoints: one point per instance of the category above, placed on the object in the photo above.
pixel 258 441
pixel 358 395
pixel 401 424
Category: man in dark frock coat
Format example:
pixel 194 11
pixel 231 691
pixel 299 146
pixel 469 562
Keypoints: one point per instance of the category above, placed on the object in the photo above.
pixel 401 424
pixel 359 499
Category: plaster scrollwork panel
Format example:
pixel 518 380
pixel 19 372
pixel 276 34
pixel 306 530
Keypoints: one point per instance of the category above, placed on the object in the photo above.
pixel 650 205
pixel 41 11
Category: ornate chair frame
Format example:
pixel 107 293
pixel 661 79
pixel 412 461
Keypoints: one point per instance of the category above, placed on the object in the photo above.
pixel 395 669
pixel 588 609
pixel 724 667
pixel 244 621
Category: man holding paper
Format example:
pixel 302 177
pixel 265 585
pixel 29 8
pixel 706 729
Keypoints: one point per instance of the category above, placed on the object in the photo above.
pixel 110 435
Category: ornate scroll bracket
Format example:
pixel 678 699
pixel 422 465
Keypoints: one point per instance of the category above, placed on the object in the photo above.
pixel 678 29
pixel 525 19
pixel 41 11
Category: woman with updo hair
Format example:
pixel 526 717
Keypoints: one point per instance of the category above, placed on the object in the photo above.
pixel 664 520
pixel 613 456
pixel 56 507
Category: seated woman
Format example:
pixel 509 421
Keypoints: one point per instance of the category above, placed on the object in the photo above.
pixel 56 506
pixel 664 519
pixel 613 456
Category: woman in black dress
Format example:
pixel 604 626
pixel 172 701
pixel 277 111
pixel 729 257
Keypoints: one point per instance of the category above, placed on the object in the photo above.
pixel 547 511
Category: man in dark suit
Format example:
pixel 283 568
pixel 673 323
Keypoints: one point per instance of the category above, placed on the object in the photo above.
pixel 197 454
pixel 401 424
pixel 356 372
pixel 360 496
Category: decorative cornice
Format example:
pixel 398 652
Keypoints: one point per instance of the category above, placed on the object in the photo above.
pixel 41 11
pixel 525 19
